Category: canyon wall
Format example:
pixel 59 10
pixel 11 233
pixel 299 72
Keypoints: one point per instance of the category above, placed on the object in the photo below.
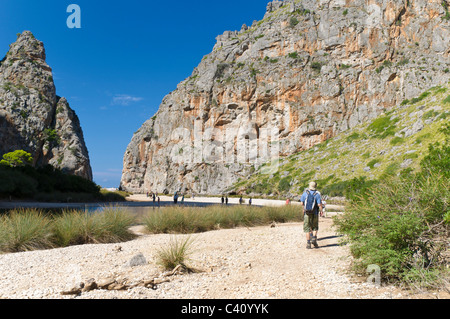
pixel 306 72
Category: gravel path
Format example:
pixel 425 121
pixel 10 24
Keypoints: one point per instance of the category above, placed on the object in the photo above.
pixel 255 263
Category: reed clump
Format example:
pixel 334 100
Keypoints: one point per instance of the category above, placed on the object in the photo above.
pixel 28 229
pixel 187 220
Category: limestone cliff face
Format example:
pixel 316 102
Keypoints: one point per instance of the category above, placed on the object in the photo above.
pixel 306 72
pixel 32 117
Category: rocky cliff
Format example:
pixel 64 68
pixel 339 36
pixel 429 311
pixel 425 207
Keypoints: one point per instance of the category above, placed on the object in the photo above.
pixel 32 117
pixel 308 71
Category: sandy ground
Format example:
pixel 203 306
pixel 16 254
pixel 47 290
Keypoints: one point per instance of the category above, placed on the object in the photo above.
pixel 244 263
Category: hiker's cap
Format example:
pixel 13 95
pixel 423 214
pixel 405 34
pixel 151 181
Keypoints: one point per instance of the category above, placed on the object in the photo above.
pixel 312 186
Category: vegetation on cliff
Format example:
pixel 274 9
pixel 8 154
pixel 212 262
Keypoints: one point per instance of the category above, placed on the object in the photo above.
pixel 393 144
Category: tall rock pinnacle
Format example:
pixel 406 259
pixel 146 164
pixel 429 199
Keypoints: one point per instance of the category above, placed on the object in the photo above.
pixel 32 117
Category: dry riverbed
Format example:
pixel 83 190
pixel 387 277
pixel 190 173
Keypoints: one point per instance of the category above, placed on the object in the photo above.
pixel 255 263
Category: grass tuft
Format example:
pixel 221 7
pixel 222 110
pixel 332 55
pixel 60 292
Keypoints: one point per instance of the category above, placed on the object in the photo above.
pixel 24 230
pixel 175 254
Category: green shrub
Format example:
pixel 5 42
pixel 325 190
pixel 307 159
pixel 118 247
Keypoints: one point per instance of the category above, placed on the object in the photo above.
pixel 405 102
pixel 438 158
pixel 15 183
pixel 317 66
pixel 387 63
pixel 285 184
pixel 51 136
pixel 397 140
pixel 353 137
pixel 400 223
pixel 253 72
pixel 115 196
pixel 373 162
pixel 447 16
pixel 446 100
pixel 220 71
pixel 389 227
pixel 403 61
pixel 391 170
pixel 383 127
pixel 350 189
pixel 17 159
pixel 293 55
pixel 421 138
pixel 420 98
pixel 48 182
pixel 293 22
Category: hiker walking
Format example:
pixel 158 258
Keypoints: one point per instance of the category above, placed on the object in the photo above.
pixel 311 201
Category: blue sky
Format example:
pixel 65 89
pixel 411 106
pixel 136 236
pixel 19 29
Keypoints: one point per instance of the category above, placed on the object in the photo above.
pixel 126 57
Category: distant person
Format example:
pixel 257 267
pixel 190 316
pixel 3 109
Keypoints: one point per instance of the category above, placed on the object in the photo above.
pixel 182 200
pixel 250 202
pixel 241 200
pixel 159 202
pixel 288 201
pixel 312 204
pixel 175 198
pixel 154 197
pixel 226 200
pixel 324 205
pixel 223 200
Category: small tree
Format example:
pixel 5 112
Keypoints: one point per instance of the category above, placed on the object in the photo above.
pixel 17 159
